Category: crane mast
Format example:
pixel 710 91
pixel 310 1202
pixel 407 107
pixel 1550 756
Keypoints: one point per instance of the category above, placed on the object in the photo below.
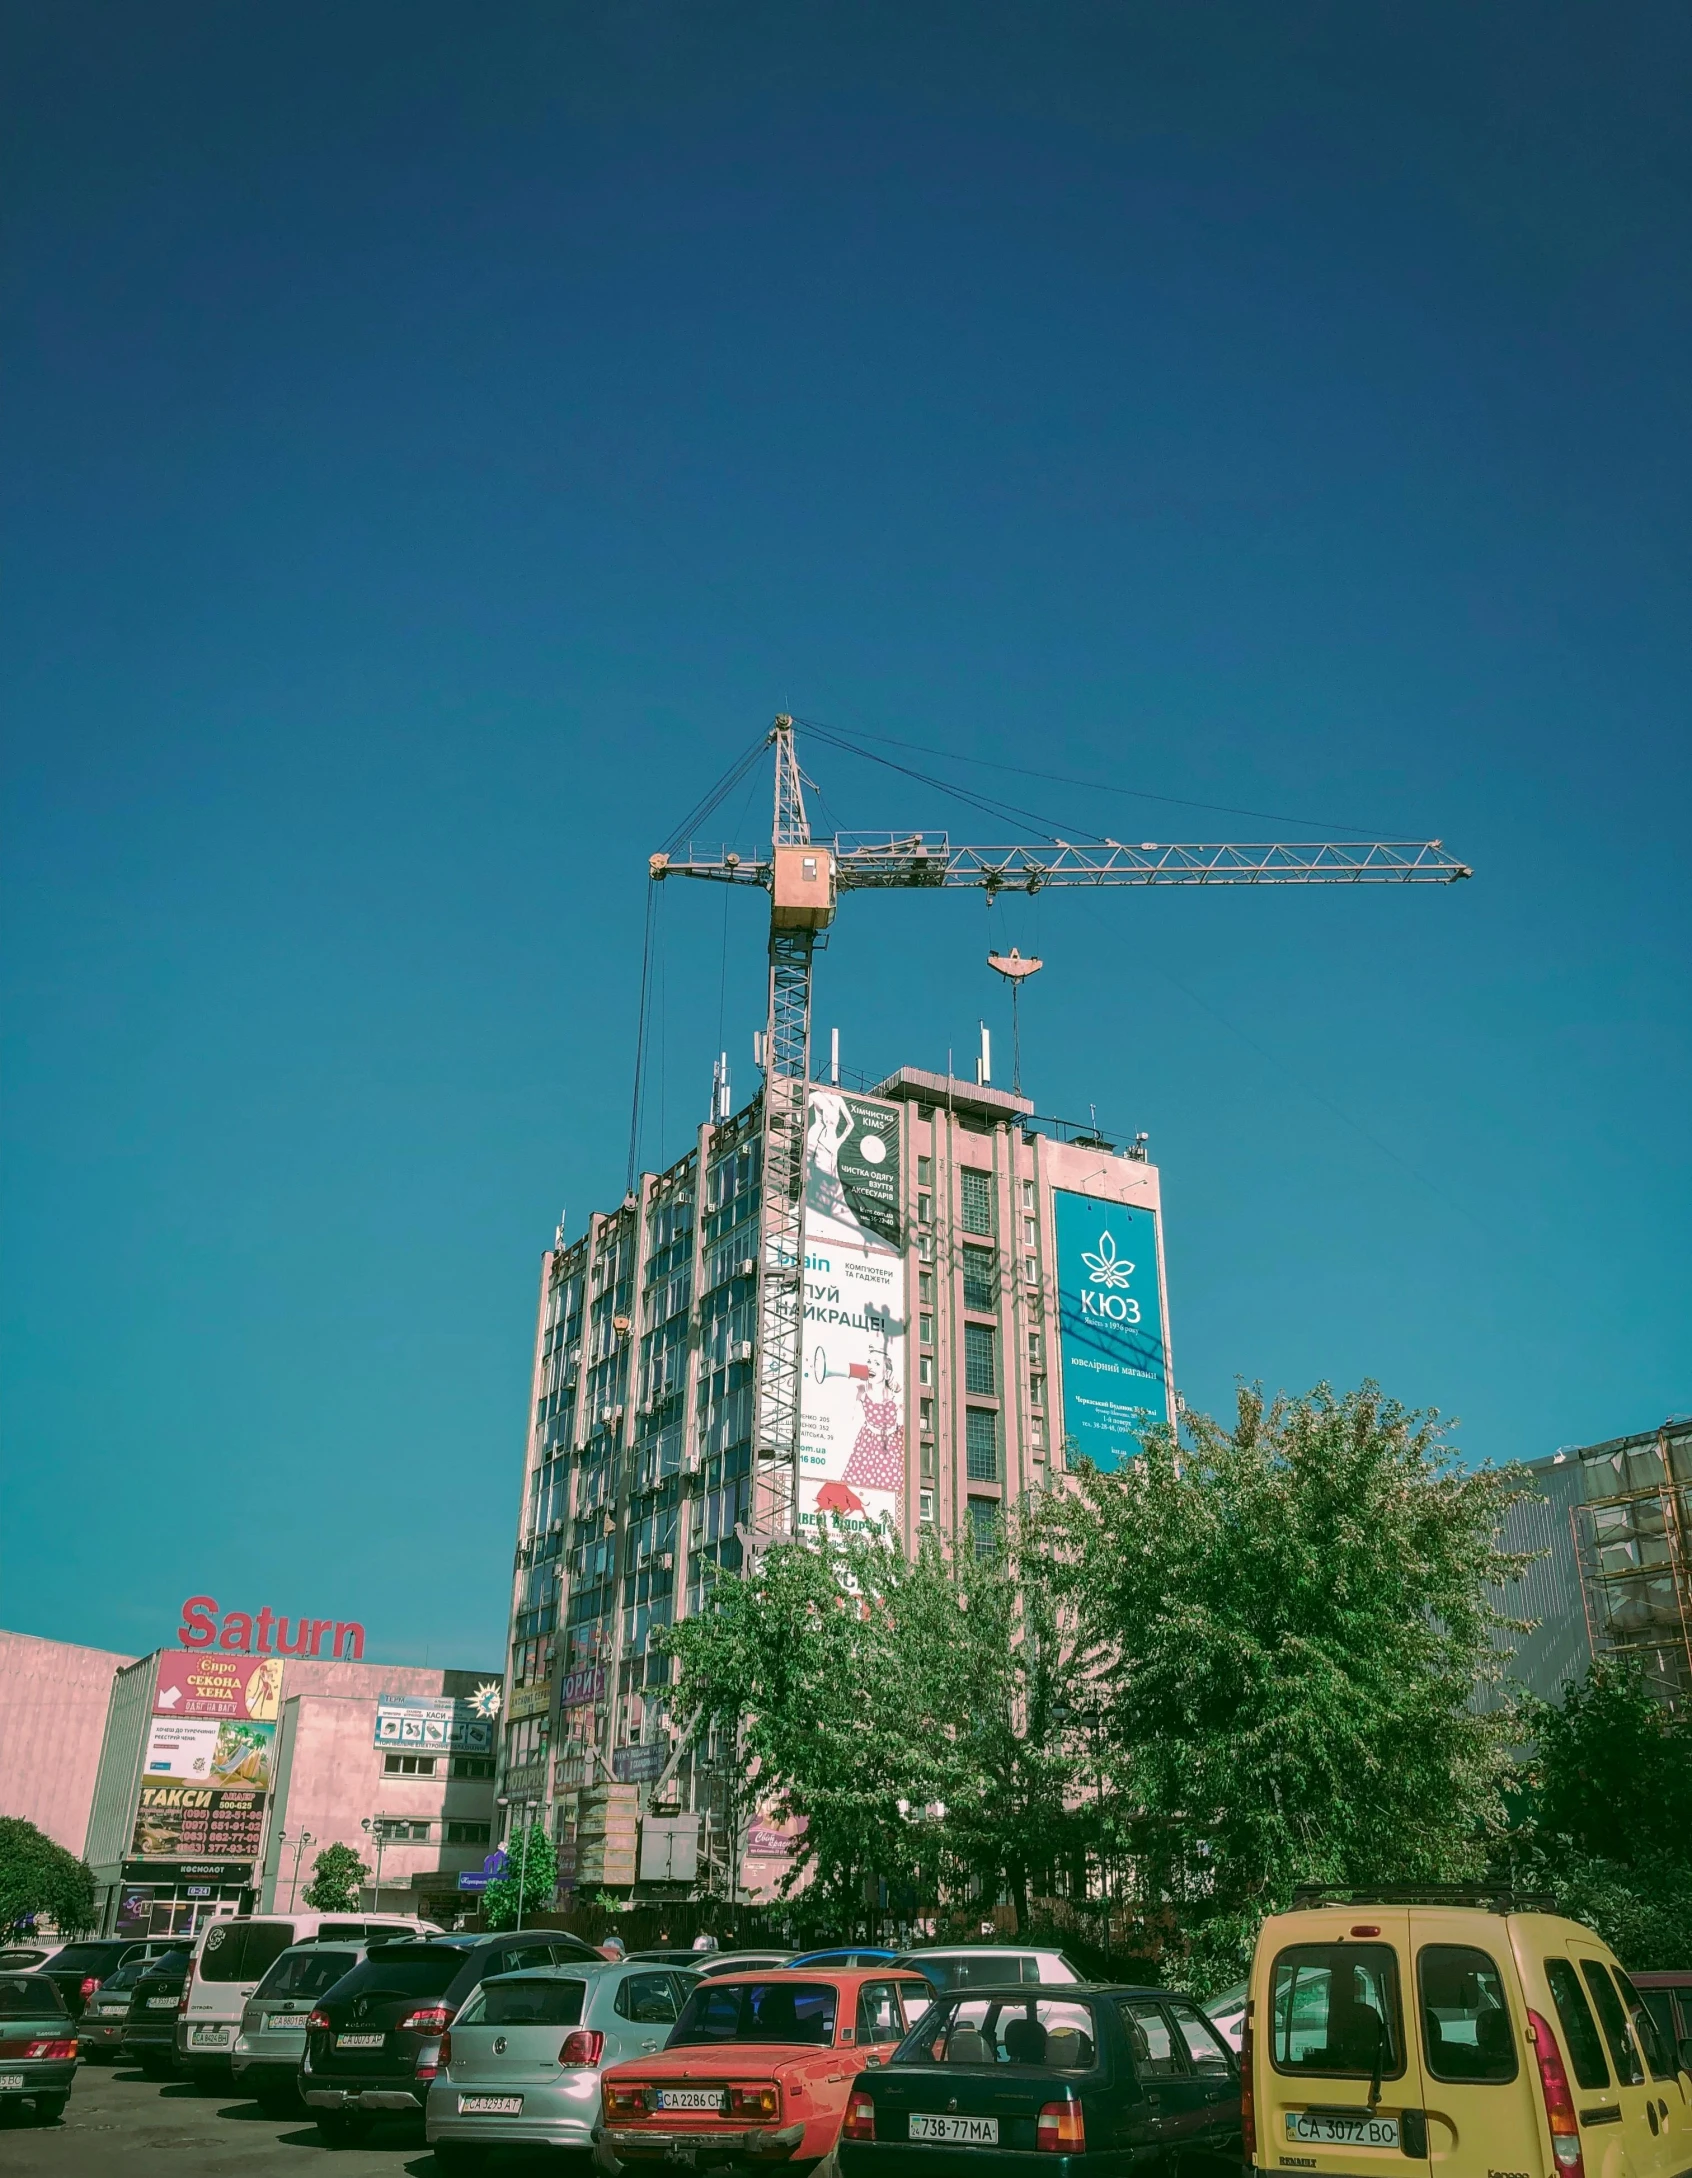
pixel 804 878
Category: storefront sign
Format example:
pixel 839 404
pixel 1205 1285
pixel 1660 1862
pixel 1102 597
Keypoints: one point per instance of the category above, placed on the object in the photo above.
pixel 638 1765
pixel 217 1686
pixel 1110 1319
pixel 497 1864
pixel 168 1872
pixel 531 1701
pixel 852 1393
pixel 577 1689
pixel 226 1751
pixel 411 1720
pixel 262 1633
pixel 174 1820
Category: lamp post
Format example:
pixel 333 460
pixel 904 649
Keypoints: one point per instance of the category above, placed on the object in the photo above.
pixel 300 1843
pixel 528 1807
pixel 372 1825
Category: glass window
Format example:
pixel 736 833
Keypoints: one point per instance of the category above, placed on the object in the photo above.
pixel 648 1998
pixel 526 2004
pixel 879 2016
pixel 981 1444
pixel 472 1766
pixel 408 1765
pixel 975 1196
pixel 1580 2029
pixel 1613 2019
pixel 925 1288
pixel 925 1172
pixel 1207 2054
pixel 925 1507
pixel 1660 2004
pixel 925 1329
pixel 30 1996
pixel 1028 1194
pixel 1658 2050
pixel 981 1361
pixel 984 1525
pixel 1334 2011
pixel 758 2011
pixel 1036 1350
pixel 980 1278
pixel 243 1950
pixel 306 1973
pixel 1158 2054
pixel 1057 2034
pixel 467 1833
pixel 408 1969
pixel 1030 1270
pixel 1466 2030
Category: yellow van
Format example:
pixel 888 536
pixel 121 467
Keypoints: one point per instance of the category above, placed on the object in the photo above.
pixel 1485 2036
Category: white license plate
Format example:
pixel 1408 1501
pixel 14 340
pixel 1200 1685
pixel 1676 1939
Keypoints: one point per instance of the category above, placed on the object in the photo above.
pixel 690 2098
pixel 161 2004
pixel 287 2022
pixel 979 2132
pixel 11 2082
pixel 1341 2129
pixel 359 2041
pixel 490 2106
pixel 215 2035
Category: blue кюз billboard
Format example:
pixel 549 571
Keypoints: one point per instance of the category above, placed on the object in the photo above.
pixel 1110 1322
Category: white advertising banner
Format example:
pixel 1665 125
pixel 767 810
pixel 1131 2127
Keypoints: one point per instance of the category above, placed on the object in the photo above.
pixel 183 1747
pixel 852 1377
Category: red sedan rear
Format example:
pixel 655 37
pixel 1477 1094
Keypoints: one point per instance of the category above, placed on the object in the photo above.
pixel 758 2067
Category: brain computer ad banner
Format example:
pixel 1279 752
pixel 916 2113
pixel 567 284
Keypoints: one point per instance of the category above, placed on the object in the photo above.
pixel 1110 1327
pixel 852 1387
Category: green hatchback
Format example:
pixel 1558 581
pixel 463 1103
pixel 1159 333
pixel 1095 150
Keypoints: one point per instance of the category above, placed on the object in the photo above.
pixel 37 2044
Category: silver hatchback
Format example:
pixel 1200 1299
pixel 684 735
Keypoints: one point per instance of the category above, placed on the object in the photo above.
pixel 272 2036
pixel 523 2058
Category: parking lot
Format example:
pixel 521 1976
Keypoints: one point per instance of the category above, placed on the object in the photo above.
pixel 116 2121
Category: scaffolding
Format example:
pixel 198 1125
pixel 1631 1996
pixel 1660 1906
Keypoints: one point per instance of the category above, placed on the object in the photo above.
pixel 1631 1543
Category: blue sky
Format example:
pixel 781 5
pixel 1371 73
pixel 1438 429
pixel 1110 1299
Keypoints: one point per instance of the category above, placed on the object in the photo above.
pixel 436 443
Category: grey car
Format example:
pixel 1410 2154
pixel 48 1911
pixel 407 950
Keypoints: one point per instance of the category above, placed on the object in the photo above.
pixel 272 2037
pixel 523 2059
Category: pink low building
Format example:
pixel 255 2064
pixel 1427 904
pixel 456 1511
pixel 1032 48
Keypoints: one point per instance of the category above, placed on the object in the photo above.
pixel 53 1701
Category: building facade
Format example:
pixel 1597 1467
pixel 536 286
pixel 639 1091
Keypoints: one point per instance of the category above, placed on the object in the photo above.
pixel 54 1696
pixel 983 1305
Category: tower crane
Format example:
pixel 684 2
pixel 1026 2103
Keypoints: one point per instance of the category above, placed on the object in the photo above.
pixel 804 878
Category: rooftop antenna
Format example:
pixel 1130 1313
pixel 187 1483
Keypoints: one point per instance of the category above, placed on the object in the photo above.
pixel 1014 968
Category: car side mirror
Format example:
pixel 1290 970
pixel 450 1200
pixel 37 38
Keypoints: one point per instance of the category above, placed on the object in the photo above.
pixel 872 2059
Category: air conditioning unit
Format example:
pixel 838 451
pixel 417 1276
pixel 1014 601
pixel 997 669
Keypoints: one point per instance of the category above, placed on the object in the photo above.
pixel 741 1350
pixel 748 1264
pixel 690 1463
pixel 667 1561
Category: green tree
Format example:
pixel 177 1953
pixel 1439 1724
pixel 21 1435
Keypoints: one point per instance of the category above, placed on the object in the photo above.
pixel 39 1877
pixel 530 1882
pixel 1282 1625
pixel 337 1877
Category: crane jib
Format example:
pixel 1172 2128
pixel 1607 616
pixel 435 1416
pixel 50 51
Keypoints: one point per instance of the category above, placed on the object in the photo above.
pixel 932 861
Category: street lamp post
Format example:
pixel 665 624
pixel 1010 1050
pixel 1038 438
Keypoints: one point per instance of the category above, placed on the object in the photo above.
pixel 373 1826
pixel 300 1843
pixel 528 1807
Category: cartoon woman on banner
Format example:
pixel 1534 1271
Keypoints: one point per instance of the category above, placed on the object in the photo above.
pixel 878 1452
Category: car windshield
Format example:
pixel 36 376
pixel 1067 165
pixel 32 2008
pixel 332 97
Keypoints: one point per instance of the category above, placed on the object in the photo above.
pixel 127 1975
pixel 87 1958
pixel 1055 2034
pixel 758 2011
pixel 976 1970
pixel 306 1973
pixel 172 1968
pixel 404 1970
pixel 30 1996
pixel 542 2002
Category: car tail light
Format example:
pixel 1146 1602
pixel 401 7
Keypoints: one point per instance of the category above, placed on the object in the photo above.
pixel 761 2099
pixel 585 2047
pixel 624 2101
pixel 51 2049
pixel 860 2118
pixel 445 2056
pixel 1248 2098
pixel 320 2019
pixel 1559 2102
pixel 428 2019
pixel 1059 2130
pixel 90 1982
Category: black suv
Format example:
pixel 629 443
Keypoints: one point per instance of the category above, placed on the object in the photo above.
pixel 149 2033
pixel 79 1969
pixel 373 2043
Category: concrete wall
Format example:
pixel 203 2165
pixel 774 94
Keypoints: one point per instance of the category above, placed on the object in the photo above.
pixel 53 1701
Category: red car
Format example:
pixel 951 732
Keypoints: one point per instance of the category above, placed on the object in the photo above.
pixel 759 2066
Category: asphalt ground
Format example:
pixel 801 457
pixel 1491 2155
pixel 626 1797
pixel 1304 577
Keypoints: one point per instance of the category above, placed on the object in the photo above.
pixel 119 2125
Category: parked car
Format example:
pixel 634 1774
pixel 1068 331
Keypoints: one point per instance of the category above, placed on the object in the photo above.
pixel 1129 2078
pixel 759 2067
pixel 268 2050
pixel 149 2034
pixel 37 2044
pixel 715 1963
pixel 100 2030
pixel 1227 2012
pixel 23 1958
pixel 232 1957
pixel 524 2057
pixel 1500 2036
pixel 80 1969
pixel 373 2040
pixel 989 1966
pixel 847 1955
pixel 1668 1998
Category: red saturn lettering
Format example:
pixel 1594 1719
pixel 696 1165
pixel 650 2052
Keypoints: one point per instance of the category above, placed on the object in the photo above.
pixel 240 1634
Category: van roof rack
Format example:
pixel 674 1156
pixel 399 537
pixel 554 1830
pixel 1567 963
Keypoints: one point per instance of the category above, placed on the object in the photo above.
pixel 1492 1897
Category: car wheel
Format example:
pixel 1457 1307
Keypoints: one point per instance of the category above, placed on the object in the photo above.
pixel 50 2108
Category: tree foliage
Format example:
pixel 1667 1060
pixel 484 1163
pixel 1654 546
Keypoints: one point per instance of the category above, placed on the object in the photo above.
pixel 337 1877
pixel 38 1877
pixel 530 1880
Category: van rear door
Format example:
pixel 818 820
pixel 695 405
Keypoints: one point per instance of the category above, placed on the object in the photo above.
pixel 1644 2138
pixel 1480 2078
